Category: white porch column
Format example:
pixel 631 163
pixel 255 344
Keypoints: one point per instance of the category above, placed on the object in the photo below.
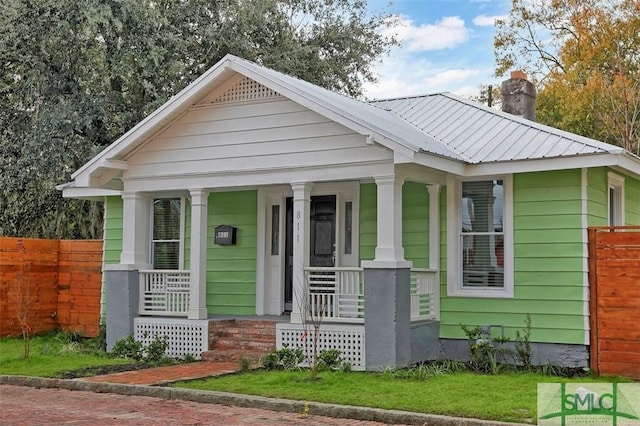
pixel 135 229
pixel 434 226
pixel 301 210
pixel 389 247
pixel 198 260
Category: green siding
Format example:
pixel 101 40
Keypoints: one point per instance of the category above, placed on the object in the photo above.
pixel 597 189
pixel 368 220
pixel 112 230
pixel 415 223
pixel 231 269
pixel 112 241
pixel 548 265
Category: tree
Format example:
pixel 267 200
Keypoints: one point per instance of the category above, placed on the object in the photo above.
pixel 583 55
pixel 76 75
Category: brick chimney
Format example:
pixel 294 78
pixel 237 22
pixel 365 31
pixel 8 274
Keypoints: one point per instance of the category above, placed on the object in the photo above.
pixel 519 96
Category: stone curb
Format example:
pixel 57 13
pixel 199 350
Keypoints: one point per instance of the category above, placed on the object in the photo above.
pixel 249 401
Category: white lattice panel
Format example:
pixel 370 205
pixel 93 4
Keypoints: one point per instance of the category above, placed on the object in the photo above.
pixel 184 336
pixel 246 90
pixel 348 339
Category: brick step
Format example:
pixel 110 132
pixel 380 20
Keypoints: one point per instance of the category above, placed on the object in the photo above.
pixel 229 344
pixel 234 355
pixel 243 334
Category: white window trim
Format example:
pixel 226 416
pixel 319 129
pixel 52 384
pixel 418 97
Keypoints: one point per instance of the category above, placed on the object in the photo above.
pixel 615 182
pixel 454 265
pixel 183 219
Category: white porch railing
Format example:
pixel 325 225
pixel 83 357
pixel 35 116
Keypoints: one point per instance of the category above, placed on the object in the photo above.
pixel 336 294
pixel 164 292
pixel 425 294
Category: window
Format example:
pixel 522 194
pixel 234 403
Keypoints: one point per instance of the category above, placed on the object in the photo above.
pixel 479 254
pixel 166 233
pixel 481 233
pixel 275 229
pixel 348 226
pixel 615 200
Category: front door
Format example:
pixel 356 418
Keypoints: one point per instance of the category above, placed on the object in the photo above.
pixel 322 241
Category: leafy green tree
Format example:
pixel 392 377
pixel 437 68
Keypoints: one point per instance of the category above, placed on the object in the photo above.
pixel 584 56
pixel 76 75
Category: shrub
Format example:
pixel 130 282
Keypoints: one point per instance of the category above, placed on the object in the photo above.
pixel 330 359
pixel 283 359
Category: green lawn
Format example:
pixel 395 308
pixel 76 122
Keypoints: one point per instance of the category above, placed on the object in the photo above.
pixel 50 355
pixel 504 397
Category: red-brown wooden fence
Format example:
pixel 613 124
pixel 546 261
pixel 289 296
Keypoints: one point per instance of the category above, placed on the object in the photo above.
pixel 51 284
pixel 614 281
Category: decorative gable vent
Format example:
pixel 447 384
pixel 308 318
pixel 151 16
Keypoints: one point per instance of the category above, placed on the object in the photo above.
pixel 246 90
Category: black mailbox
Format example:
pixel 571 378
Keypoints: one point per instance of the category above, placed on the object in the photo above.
pixel 225 235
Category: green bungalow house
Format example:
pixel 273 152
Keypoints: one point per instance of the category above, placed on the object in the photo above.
pixel 254 194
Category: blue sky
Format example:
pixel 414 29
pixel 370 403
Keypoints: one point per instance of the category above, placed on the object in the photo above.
pixel 447 47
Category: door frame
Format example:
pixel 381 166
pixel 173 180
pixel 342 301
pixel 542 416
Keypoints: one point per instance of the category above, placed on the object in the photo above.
pixel 270 268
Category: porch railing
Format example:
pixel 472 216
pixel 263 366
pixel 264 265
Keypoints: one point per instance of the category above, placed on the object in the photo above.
pixel 335 294
pixel 164 292
pixel 425 294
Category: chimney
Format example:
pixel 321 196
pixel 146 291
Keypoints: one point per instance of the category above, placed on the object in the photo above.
pixel 519 96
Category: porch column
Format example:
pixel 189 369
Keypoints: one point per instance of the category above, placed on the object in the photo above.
pixel 122 290
pixel 389 247
pixel 198 253
pixel 301 210
pixel 135 229
pixel 387 308
pixel 434 226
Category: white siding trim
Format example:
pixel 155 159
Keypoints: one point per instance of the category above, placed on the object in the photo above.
pixel 585 254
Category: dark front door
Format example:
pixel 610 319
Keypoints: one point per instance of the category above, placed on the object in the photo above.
pixel 322 241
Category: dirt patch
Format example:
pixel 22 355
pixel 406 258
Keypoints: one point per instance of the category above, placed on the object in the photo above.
pixel 103 369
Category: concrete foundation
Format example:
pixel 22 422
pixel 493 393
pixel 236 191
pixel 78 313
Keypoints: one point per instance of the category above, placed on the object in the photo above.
pixel 425 342
pixel 387 310
pixel 122 291
pixel 563 355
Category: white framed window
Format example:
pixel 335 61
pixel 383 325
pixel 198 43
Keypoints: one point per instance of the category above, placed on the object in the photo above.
pixel 167 233
pixel 480 237
pixel 615 200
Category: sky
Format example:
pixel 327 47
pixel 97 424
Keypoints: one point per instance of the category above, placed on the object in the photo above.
pixel 447 47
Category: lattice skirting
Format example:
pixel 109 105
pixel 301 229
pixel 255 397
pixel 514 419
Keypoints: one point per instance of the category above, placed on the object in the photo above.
pixel 348 339
pixel 184 336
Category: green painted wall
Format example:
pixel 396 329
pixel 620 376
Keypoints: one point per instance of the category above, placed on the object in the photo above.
pixel 112 230
pixel 231 269
pixel 112 241
pixel 415 223
pixel 548 265
pixel 597 188
pixel 368 221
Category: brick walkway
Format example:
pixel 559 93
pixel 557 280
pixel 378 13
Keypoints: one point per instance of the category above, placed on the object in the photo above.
pixel 172 373
pixel 32 406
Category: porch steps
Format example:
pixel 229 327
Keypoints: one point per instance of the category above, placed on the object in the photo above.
pixel 232 340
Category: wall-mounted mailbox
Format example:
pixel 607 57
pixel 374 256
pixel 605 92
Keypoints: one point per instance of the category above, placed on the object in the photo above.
pixel 225 235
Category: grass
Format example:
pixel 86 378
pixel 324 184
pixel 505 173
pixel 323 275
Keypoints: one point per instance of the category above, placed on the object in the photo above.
pixel 50 355
pixel 509 397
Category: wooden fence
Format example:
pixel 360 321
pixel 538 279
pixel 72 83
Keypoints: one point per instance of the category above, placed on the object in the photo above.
pixel 50 284
pixel 614 281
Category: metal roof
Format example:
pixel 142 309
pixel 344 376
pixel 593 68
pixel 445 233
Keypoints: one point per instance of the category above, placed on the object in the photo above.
pixel 481 134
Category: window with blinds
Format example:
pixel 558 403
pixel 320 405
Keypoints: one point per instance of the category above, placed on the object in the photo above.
pixel 482 233
pixel 166 233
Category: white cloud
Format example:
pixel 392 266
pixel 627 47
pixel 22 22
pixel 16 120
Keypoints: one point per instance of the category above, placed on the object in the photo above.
pixel 403 74
pixel 487 21
pixel 448 32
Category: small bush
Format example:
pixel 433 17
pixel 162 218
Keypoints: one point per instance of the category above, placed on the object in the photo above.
pixel 128 348
pixel 330 359
pixel 155 351
pixel 283 359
